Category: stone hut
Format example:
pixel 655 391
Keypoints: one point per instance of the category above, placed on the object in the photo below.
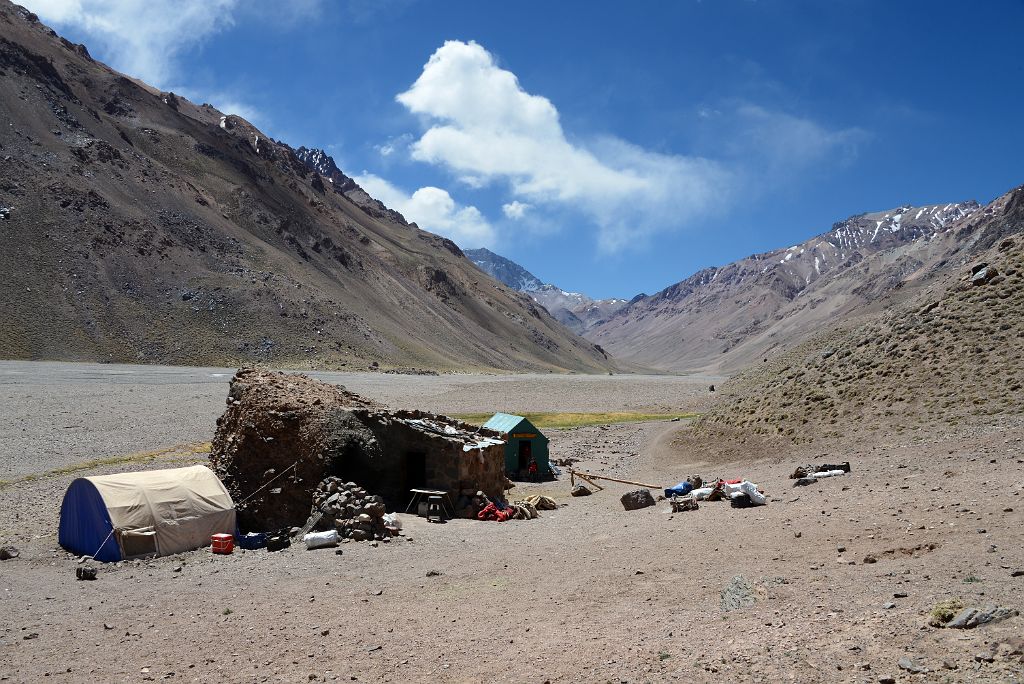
pixel 281 434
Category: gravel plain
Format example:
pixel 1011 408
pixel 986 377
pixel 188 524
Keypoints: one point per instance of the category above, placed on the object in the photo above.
pixel 831 582
pixel 58 414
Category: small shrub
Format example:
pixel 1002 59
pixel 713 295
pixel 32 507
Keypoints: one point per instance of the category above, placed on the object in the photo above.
pixel 944 611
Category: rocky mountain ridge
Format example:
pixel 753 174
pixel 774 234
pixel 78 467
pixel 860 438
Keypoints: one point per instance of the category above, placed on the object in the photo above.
pixel 575 310
pixel 722 319
pixel 504 270
pixel 141 227
pixel 950 354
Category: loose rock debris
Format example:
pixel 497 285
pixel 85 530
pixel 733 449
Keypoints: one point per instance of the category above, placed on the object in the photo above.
pixel 580 490
pixel 969 618
pixel 739 593
pixel 85 572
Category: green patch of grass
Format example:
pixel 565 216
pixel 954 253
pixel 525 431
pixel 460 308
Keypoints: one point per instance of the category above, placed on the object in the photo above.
pixel 567 420
pixel 664 655
pixel 944 611
pixel 140 457
pixel 971 579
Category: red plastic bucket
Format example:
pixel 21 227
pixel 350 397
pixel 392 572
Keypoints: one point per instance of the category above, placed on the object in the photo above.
pixel 222 543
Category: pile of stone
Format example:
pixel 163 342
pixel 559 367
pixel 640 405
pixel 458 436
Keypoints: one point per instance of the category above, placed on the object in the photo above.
pixel 351 510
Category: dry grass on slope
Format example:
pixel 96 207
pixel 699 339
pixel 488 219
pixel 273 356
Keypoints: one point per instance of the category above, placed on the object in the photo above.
pixel 956 358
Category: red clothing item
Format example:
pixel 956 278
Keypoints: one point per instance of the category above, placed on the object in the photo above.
pixel 491 512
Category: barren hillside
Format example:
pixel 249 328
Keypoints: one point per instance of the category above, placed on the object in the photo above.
pixel 952 354
pixel 723 319
pixel 137 226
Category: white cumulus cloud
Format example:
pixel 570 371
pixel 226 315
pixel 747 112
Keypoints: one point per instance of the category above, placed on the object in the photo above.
pixel 142 38
pixel 515 209
pixel 483 125
pixel 433 209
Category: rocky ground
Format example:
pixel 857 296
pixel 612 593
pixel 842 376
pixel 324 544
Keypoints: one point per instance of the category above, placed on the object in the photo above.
pixel 784 592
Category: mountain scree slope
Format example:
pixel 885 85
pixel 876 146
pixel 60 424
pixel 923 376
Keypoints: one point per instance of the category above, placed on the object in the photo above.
pixel 951 355
pixel 136 226
pixel 724 319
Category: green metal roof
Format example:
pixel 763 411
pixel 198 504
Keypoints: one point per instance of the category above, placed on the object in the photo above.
pixel 503 422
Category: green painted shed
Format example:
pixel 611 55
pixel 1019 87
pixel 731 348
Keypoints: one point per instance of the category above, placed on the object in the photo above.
pixel 523 441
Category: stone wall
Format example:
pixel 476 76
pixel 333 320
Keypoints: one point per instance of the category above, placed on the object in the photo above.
pixel 282 434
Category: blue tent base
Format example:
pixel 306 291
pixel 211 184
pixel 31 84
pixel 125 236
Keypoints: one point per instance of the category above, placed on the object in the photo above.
pixel 85 527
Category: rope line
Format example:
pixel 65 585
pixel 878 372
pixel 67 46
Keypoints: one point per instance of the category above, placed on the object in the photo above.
pixel 93 556
pixel 265 484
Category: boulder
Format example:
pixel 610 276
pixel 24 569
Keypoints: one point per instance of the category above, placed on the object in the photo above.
pixel 638 498
pixel 970 618
pixel 580 490
pixel 284 434
pixel 982 274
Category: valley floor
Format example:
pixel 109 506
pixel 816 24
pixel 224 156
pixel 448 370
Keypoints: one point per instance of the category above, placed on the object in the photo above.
pixel 58 414
pixel 585 593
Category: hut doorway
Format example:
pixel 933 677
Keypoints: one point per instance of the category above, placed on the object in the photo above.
pixel 414 470
pixel 525 454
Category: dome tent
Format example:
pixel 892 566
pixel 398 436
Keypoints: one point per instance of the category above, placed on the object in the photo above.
pixel 149 513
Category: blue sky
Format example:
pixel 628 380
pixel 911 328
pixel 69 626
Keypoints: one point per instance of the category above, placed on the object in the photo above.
pixel 610 148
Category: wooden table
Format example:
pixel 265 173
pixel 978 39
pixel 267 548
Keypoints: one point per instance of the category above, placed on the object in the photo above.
pixel 418 494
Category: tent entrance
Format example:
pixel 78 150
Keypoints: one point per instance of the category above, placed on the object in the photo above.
pixel 525 454
pixel 140 543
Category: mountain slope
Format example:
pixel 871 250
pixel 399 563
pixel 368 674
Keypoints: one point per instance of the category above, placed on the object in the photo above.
pixel 139 227
pixel 723 319
pixel 575 310
pixel 951 354
pixel 504 270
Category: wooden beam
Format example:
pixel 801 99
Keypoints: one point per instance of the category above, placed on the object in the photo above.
pixel 590 482
pixel 612 479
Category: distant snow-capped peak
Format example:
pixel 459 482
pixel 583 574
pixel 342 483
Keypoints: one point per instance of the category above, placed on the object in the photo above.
pixel 318 160
pixel 504 270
